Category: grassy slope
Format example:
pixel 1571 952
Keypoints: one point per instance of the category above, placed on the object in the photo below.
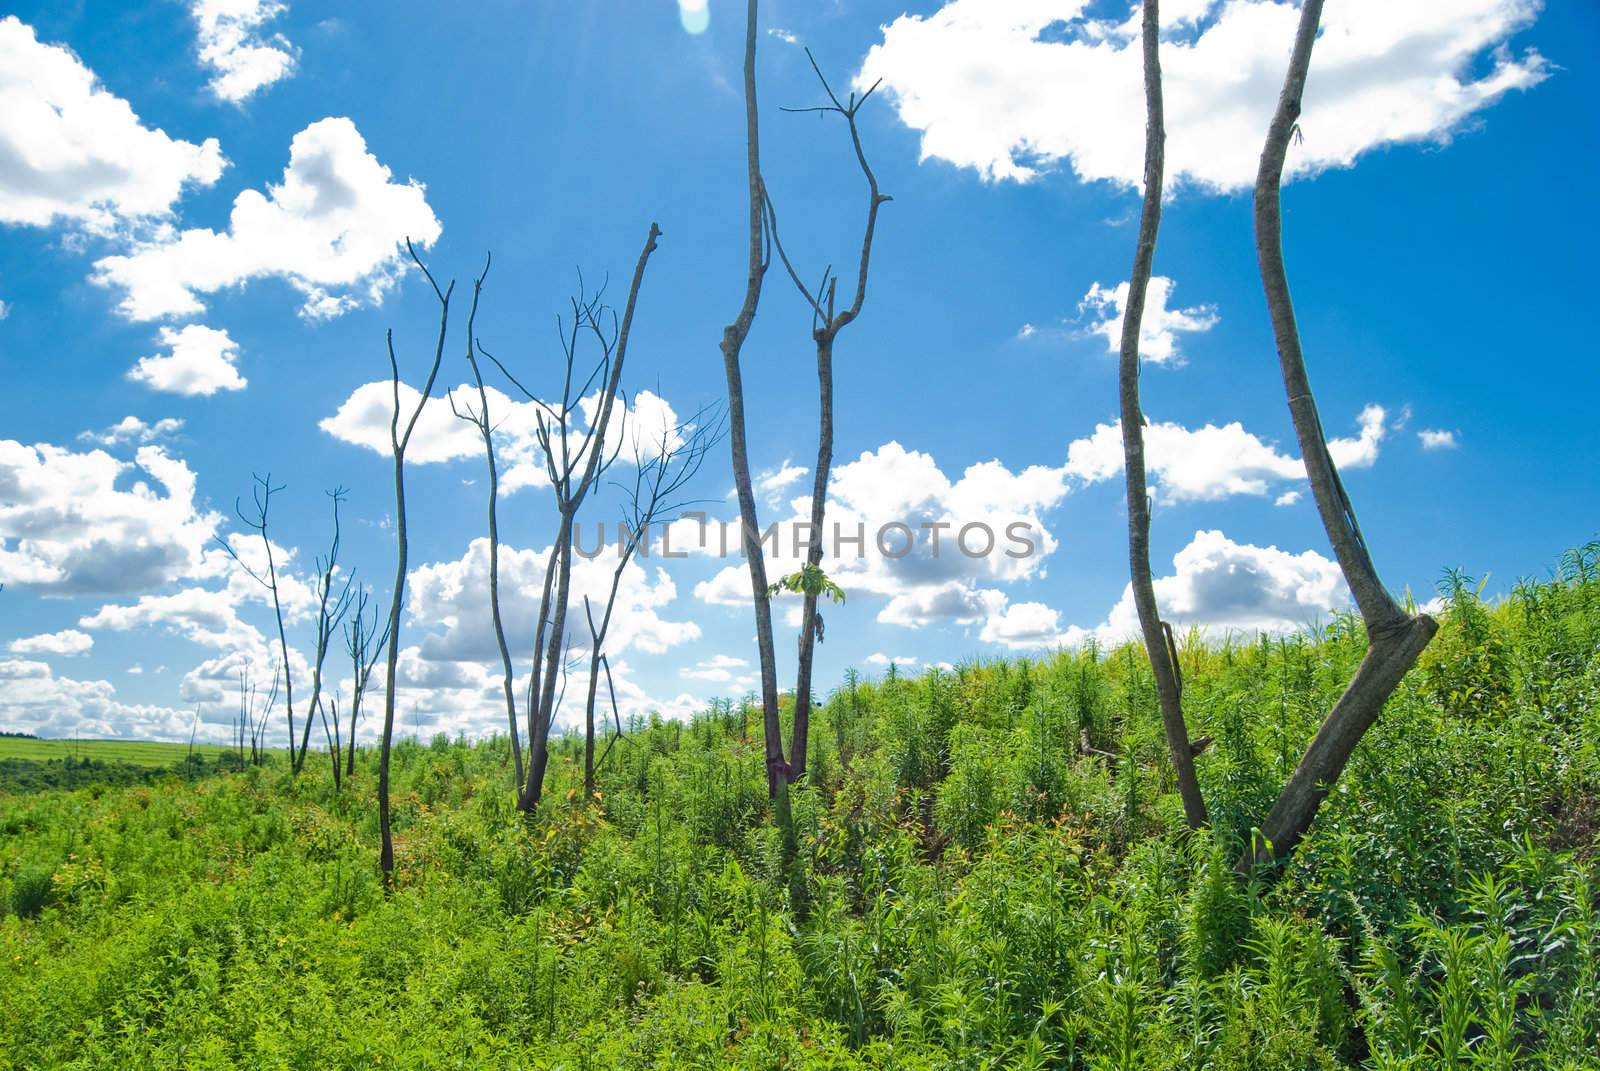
pixel 136 752
pixel 972 887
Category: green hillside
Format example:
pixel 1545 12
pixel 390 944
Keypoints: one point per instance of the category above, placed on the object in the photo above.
pixel 991 871
pixel 136 752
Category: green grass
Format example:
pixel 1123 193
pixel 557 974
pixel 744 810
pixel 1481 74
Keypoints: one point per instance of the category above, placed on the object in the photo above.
pixel 965 885
pixel 134 752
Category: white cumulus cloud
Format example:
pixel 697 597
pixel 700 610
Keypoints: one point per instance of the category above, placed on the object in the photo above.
pixel 1361 452
pixel 199 361
pixel 67 642
pixel 130 429
pixel 334 229
pixel 1214 462
pixel 235 47
pixel 719 669
pixel 1160 326
pixel 71 150
pixel 86 523
pixel 450 599
pixel 989 511
pixel 1217 585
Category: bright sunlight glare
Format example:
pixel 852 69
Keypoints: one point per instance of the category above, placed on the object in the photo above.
pixel 695 15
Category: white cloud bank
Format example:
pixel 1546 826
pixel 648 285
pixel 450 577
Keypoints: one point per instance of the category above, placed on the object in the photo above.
pixel 334 229
pixel 243 58
pixel 71 150
pixel 1011 87
pixel 34 699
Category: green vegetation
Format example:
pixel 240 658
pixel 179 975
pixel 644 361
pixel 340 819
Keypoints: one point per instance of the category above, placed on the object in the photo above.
pixel 992 870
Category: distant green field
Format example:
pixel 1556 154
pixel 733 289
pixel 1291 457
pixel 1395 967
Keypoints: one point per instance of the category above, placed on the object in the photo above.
pixel 138 752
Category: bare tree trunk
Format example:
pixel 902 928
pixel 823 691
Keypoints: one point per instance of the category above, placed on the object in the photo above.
pixel 658 480
pixel 1157 635
pixel 283 643
pixel 596 648
pixel 535 736
pixel 810 621
pixel 350 746
pixel 328 620
pixel 733 338
pixel 398 444
pixel 826 325
pixel 584 466
pixel 539 743
pixel 332 733
pixel 262 493
pixel 597 643
pixel 364 654
pixel 386 849
pixel 494 604
pixel 485 426
pixel 1394 638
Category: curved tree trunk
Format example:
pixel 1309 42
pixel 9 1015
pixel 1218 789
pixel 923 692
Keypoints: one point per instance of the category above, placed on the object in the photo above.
pixel 826 325
pixel 398 443
pixel 733 338
pixel 486 428
pixel 1157 637
pixel 538 730
pixel 1394 638
pixel 810 624
pixel 543 697
pixel 386 850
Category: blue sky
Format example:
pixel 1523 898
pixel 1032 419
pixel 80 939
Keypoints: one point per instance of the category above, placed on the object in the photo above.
pixel 1437 241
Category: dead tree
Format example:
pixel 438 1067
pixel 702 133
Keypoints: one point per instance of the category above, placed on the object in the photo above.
pixel 398 442
pixel 662 470
pixel 359 636
pixel 574 463
pixel 261 716
pixel 330 729
pixel 331 610
pixel 733 339
pixel 1394 637
pixel 1158 640
pixel 616 715
pixel 826 323
pixel 262 494
pixel 479 418
pixel 253 714
pixel 241 722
